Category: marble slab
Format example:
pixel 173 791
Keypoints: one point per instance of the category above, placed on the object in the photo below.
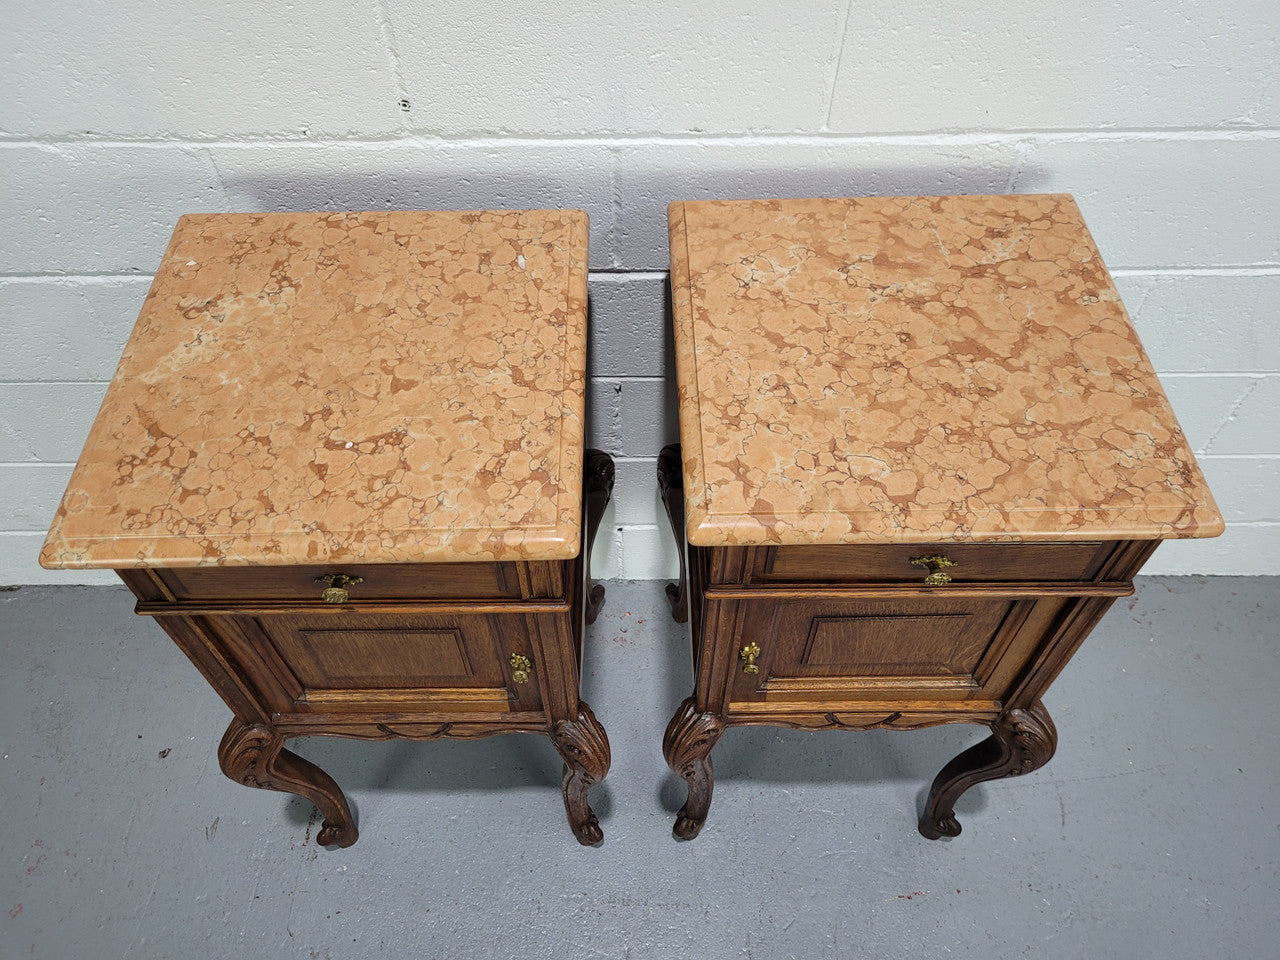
pixel 316 387
pixel 916 369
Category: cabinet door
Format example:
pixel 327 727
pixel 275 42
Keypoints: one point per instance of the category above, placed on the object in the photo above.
pixel 820 651
pixel 435 662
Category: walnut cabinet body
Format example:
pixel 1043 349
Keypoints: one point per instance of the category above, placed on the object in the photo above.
pixel 418 651
pixel 922 451
pixel 851 637
pixel 342 464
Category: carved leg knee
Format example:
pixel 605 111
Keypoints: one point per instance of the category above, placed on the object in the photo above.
pixel 598 474
pixel 687 748
pixel 671 486
pixel 255 756
pixel 1021 741
pixel 583 745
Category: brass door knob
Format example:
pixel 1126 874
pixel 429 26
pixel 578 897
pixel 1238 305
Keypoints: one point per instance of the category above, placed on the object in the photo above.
pixel 748 656
pixel 936 563
pixel 335 591
pixel 521 668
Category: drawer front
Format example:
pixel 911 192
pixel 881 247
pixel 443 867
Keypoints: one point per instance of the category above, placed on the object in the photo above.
pixel 358 661
pixel 392 581
pixel 827 651
pixel 892 563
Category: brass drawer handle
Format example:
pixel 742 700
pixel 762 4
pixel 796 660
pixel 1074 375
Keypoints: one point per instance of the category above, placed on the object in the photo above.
pixel 521 668
pixel 748 656
pixel 936 562
pixel 336 591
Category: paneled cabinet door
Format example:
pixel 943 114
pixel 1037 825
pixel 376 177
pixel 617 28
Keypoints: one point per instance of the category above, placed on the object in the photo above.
pixel 346 661
pixel 824 650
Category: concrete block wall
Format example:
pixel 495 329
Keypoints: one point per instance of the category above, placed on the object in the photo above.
pixel 1163 120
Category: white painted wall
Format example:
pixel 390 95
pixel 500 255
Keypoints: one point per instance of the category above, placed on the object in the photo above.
pixel 1162 118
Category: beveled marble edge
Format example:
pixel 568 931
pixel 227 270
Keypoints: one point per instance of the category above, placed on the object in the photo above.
pixel 695 487
pixel 708 530
pixel 1201 519
pixel 563 541
pixel 479 545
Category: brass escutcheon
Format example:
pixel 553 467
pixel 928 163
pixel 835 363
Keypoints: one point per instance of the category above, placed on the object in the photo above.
pixel 336 592
pixel 521 668
pixel 935 562
pixel 748 656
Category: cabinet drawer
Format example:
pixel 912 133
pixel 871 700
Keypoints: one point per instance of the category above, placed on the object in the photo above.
pixel 891 563
pixel 824 651
pixel 391 581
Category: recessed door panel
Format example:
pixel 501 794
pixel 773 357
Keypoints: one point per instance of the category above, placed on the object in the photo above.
pixel 353 657
pixel 344 660
pixel 915 647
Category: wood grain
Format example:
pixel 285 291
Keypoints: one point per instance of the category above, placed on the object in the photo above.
pixel 381 581
pixel 891 563
pixel 394 398
pixel 840 648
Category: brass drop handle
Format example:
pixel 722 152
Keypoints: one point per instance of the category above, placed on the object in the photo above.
pixel 521 668
pixel 748 656
pixel 336 591
pixel 936 562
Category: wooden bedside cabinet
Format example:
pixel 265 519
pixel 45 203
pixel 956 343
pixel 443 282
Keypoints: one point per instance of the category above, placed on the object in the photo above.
pixel 922 452
pixel 341 464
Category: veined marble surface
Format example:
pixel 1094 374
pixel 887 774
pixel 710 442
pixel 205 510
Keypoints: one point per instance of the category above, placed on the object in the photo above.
pixel 314 387
pixel 915 369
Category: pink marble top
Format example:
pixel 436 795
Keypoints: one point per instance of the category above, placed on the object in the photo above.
pixel 317 387
pixel 915 369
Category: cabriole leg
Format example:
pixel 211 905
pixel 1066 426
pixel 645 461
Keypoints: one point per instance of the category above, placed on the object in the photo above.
pixel 255 756
pixel 585 749
pixel 671 487
pixel 598 475
pixel 1021 741
pixel 687 748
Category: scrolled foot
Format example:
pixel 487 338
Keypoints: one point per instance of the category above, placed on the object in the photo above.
pixel 671 487
pixel 588 832
pixel 678 599
pixel 1021 741
pixel 937 829
pixel 686 828
pixel 336 835
pixel 598 476
pixel 584 747
pixel 595 600
pixel 254 755
pixel 687 748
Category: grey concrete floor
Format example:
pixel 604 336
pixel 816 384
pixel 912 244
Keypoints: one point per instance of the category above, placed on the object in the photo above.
pixel 1155 832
